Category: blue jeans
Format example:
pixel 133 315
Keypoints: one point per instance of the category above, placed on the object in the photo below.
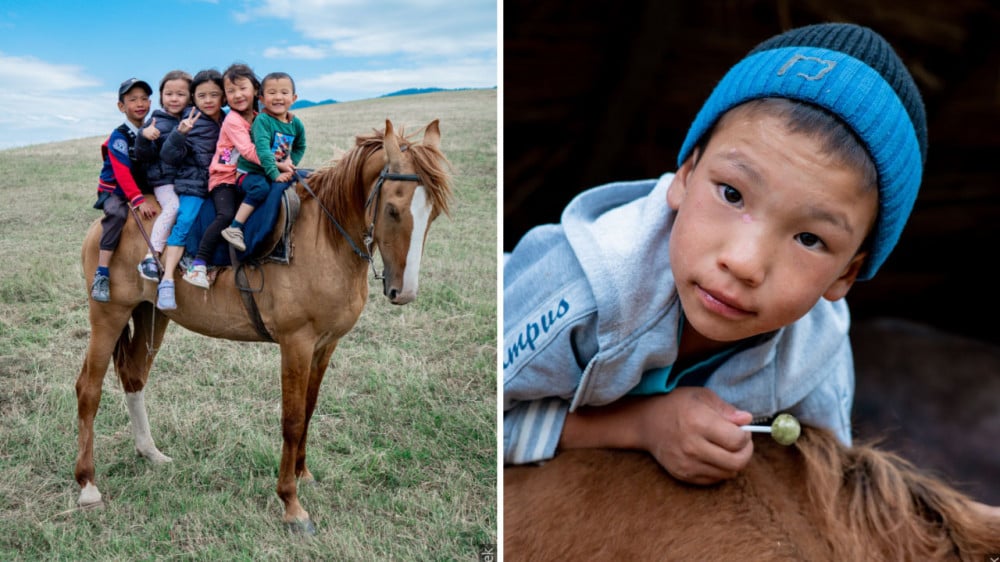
pixel 190 205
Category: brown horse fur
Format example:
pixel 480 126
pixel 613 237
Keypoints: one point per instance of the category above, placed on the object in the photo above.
pixel 307 305
pixel 816 500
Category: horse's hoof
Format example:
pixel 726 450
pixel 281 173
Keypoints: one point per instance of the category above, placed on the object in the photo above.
pixel 90 497
pixel 304 528
pixel 154 456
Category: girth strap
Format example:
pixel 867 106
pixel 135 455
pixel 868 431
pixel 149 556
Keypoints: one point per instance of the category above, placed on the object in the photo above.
pixel 246 293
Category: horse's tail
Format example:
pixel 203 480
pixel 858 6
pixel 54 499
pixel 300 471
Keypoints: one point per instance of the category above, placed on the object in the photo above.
pixel 137 344
pixel 881 499
pixel 123 349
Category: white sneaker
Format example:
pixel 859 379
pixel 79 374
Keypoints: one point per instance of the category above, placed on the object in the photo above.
pixel 197 276
pixel 234 236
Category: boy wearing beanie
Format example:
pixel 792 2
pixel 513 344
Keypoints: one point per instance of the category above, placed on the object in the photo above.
pixel 664 314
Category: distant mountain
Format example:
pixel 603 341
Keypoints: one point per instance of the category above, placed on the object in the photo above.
pixel 302 104
pixel 413 91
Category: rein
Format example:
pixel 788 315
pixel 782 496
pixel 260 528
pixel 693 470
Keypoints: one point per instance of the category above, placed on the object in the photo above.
pixel 375 196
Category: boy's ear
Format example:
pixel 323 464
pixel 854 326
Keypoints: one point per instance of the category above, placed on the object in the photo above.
pixel 121 106
pixel 678 187
pixel 839 288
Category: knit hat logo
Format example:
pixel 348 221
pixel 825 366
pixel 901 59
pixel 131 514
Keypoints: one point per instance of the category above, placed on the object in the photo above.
pixel 825 66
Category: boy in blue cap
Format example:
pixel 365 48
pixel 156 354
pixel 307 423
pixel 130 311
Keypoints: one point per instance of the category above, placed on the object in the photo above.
pixel 121 183
pixel 664 314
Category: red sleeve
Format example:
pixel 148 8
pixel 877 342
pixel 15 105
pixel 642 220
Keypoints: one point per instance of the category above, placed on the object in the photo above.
pixel 123 173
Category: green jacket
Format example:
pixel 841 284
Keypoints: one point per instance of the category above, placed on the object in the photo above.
pixel 274 140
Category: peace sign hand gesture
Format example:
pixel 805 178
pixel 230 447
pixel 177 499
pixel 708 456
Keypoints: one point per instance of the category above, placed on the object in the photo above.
pixel 187 124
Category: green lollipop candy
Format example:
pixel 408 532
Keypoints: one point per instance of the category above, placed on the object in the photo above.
pixel 784 429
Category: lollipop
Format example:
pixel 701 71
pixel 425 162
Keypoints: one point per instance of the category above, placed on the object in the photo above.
pixel 784 429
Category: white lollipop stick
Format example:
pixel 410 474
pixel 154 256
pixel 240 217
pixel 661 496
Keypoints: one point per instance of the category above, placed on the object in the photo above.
pixel 784 430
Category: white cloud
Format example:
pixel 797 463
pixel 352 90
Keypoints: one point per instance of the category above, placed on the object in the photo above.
pixel 402 27
pixel 385 47
pixel 33 75
pixel 296 52
pixel 34 88
pixel 371 83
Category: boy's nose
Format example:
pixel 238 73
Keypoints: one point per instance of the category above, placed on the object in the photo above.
pixel 745 257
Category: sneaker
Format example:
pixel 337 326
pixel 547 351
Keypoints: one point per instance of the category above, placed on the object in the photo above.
pixel 148 268
pixel 100 289
pixel 197 276
pixel 234 236
pixel 165 296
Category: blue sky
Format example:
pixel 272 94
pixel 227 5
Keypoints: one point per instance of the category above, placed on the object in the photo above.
pixel 61 61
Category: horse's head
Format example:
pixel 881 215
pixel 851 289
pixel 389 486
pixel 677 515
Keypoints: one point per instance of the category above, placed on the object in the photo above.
pixel 411 192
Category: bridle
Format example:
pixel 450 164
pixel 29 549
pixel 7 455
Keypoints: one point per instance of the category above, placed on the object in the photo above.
pixel 368 237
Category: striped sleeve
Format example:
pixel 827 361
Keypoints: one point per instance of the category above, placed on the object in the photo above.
pixel 531 430
pixel 122 166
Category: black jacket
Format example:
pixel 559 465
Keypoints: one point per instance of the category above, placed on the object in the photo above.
pixel 191 154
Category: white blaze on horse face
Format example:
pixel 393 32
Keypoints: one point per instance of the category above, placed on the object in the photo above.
pixel 420 210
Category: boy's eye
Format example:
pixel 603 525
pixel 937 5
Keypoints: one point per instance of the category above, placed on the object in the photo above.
pixel 809 240
pixel 730 194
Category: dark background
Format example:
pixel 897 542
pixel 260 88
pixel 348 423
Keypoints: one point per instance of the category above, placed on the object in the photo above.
pixel 601 93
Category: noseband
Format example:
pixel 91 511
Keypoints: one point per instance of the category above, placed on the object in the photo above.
pixel 374 197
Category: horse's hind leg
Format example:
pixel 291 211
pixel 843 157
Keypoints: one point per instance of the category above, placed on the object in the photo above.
pixel 132 363
pixel 108 325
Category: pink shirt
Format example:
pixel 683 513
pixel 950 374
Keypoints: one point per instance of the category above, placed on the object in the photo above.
pixel 234 141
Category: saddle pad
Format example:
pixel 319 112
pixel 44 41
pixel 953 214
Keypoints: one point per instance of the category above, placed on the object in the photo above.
pixel 256 231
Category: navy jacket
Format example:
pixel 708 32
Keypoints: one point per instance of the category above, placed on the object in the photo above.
pixel 191 154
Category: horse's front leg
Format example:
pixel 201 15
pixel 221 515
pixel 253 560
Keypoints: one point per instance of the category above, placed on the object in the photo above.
pixel 321 358
pixel 133 370
pixel 296 360
pixel 107 322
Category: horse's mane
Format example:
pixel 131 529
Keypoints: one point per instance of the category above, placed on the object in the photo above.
pixel 340 188
pixel 888 505
pixel 816 500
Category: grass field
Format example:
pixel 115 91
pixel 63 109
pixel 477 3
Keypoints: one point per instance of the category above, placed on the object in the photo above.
pixel 403 442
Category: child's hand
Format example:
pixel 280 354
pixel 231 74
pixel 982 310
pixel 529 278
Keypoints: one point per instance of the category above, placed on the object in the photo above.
pixel 284 177
pixel 695 435
pixel 186 125
pixel 151 133
pixel 147 210
pixel 286 165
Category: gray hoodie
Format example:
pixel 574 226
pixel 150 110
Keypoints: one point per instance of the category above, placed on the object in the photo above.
pixel 590 306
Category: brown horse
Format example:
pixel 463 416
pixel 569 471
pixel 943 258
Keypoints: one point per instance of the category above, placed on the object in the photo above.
pixel 816 500
pixel 386 186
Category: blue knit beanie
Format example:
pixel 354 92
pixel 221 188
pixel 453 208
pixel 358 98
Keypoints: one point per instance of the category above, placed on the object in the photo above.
pixel 855 74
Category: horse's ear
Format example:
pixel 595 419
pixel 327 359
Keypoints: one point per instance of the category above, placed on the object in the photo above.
pixel 432 134
pixel 391 145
